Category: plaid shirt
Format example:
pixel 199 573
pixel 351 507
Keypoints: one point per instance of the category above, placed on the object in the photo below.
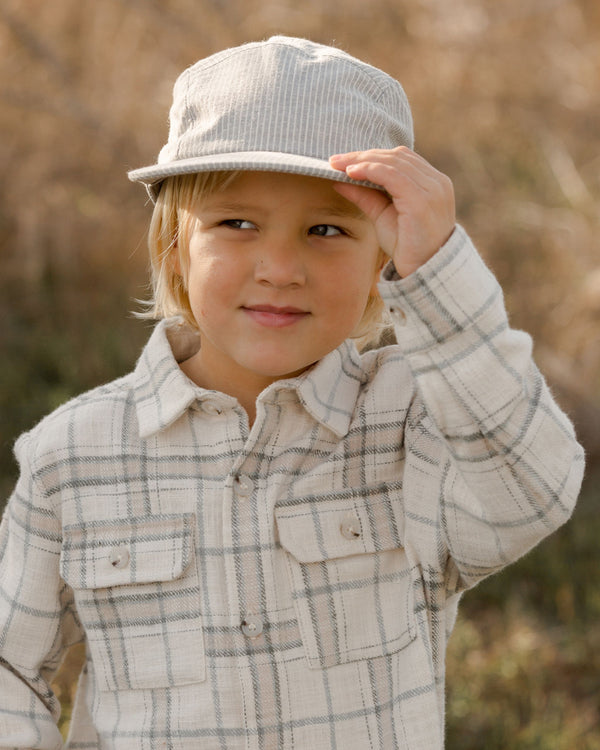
pixel 292 585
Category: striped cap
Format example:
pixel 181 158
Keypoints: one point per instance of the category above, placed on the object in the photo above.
pixel 282 105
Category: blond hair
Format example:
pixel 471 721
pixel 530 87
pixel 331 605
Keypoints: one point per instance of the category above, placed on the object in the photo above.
pixel 169 234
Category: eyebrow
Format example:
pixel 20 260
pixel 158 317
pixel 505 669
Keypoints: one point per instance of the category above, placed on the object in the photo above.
pixel 350 210
pixel 234 207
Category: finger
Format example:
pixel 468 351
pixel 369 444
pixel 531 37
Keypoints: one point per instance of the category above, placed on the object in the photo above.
pixel 402 153
pixel 398 182
pixel 341 161
pixel 395 170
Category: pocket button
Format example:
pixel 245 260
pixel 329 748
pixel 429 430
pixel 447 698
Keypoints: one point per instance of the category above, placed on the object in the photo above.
pixel 119 557
pixel 252 626
pixel 350 527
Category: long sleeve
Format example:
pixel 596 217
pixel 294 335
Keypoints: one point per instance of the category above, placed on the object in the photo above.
pixel 507 466
pixel 37 620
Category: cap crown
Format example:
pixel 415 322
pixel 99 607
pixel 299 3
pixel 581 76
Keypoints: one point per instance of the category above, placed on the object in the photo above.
pixel 285 104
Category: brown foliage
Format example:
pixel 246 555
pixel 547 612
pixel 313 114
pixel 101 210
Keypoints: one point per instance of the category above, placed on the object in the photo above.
pixel 504 97
pixel 505 102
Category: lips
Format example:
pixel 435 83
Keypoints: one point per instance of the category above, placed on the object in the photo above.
pixel 270 316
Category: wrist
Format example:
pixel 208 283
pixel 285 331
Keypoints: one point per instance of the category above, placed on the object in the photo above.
pixel 406 262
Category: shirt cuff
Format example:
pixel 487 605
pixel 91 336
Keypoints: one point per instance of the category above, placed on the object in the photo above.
pixel 444 297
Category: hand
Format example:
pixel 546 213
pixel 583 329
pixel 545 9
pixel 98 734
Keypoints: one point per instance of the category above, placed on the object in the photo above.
pixel 416 217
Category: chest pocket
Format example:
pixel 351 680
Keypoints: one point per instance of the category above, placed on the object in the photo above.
pixel 349 574
pixel 137 594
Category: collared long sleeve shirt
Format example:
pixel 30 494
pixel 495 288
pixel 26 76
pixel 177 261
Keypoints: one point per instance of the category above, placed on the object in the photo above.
pixel 293 584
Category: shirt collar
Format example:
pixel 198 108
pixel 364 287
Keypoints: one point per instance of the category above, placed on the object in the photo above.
pixel 328 391
pixel 162 391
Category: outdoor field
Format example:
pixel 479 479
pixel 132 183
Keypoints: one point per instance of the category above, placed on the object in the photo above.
pixel 505 101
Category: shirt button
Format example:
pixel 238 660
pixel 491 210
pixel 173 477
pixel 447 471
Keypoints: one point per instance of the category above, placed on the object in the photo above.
pixel 350 527
pixel 212 408
pixel 119 557
pixel 243 485
pixel 398 315
pixel 252 626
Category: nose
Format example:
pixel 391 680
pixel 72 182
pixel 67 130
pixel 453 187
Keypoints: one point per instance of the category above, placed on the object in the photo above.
pixel 279 262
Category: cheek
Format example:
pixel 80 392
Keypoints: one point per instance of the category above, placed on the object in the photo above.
pixel 353 286
pixel 204 272
pixel 346 304
pixel 211 286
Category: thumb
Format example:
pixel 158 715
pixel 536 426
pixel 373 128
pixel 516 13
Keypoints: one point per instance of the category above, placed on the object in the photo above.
pixel 371 202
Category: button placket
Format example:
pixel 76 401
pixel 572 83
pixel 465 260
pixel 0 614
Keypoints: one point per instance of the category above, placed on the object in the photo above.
pixel 212 408
pixel 243 485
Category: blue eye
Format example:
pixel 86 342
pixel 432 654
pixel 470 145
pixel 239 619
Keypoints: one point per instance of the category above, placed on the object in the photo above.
pixel 325 230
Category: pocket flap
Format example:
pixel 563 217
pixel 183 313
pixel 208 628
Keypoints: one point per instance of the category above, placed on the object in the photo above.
pixel 342 523
pixel 114 552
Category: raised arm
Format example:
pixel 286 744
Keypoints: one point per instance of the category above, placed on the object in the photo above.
pixel 492 463
pixel 507 468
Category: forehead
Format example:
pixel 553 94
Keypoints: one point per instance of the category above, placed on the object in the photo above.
pixel 279 190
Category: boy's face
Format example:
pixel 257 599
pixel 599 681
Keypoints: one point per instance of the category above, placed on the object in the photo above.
pixel 280 271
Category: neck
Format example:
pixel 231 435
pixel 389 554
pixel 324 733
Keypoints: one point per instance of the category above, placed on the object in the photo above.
pixel 242 386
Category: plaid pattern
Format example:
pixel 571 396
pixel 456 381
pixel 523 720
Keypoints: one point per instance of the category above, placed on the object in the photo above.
pixel 292 585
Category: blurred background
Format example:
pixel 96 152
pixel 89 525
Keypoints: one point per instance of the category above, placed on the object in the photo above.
pixel 505 99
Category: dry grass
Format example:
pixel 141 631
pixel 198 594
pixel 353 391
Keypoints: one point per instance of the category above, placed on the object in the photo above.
pixel 519 684
pixel 505 101
pixel 524 660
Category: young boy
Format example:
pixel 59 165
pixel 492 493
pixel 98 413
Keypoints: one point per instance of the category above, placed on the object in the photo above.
pixel 260 533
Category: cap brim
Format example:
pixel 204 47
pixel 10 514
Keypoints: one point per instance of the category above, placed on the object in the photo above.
pixel 259 161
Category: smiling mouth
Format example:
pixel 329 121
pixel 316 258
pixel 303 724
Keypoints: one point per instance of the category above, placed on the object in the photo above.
pixel 275 317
